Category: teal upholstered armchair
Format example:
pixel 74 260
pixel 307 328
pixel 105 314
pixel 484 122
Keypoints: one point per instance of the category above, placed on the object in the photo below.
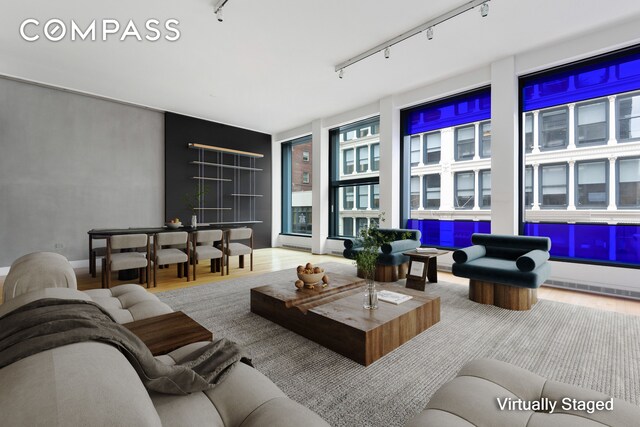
pixel 391 264
pixel 504 270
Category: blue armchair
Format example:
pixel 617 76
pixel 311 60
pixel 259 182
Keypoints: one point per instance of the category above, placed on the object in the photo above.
pixel 392 264
pixel 504 270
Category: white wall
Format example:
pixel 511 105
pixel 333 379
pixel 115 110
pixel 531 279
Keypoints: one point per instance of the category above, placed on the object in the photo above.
pixel 503 76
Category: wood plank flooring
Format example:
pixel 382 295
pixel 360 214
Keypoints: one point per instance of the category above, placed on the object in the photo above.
pixel 275 259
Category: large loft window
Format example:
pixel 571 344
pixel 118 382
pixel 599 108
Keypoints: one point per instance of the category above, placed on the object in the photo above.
pixel 354 177
pixel 591 180
pixel 452 178
pixel 592 125
pixel 581 171
pixel 296 186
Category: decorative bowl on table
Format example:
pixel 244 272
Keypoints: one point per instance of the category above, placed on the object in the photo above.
pixel 174 225
pixel 309 276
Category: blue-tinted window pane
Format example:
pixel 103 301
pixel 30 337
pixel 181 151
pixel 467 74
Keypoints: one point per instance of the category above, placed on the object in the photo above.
pixel 471 107
pixel 600 78
pixel 599 242
pixel 446 233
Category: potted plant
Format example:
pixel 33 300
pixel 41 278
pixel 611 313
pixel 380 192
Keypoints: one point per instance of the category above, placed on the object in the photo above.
pixel 193 201
pixel 366 260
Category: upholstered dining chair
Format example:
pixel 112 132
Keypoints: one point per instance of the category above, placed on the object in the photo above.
pixel 125 260
pixel 203 249
pixel 231 248
pixel 171 255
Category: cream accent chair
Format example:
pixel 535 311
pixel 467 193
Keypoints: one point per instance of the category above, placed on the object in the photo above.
pixel 239 249
pixel 171 255
pixel 203 242
pixel 126 260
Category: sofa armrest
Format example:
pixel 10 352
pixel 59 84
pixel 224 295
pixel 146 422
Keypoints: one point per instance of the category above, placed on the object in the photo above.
pixel 399 246
pixel 532 260
pixel 352 243
pixel 469 254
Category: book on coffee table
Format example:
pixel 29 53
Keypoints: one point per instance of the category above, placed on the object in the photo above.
pixel 393 297
pixel 427 250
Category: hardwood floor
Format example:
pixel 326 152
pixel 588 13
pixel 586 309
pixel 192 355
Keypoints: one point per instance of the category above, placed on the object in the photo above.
pixel 274 259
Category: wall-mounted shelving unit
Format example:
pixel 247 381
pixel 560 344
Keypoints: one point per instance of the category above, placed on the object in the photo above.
pixel 241 171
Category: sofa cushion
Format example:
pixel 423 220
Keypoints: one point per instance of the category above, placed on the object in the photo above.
pixel 532 260
pixel 59 293
pixel 83 384
pixel 524 243
pixel 127 303
pixel 36 271
pixel 501 271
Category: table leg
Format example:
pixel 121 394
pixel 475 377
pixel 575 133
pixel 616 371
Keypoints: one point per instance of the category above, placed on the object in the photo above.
pixel 432 270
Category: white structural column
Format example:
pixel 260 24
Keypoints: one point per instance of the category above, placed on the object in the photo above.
pixel 571 197
pixel 276 195
pixel 504 147
pixel 535 188
pixel 390 162
pixel 572 126
pixel 320 187
pixel 421 189
pixel 612 120
pixel 612 184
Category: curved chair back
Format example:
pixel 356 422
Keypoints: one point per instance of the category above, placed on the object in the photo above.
pixel 173 238
pixel 240 233
pixel 208 236
pixel 128 241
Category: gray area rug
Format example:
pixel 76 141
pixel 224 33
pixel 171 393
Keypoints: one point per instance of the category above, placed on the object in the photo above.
pixel 576 345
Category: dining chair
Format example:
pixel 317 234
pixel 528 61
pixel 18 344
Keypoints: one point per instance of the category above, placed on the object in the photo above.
pixel 203 248
pixel 128 258
pixel 171 255
pixel 230 248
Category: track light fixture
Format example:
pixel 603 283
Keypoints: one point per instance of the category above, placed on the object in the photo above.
pixel 427 27
pixel 341 73
pixel 484 9
pixel 217 9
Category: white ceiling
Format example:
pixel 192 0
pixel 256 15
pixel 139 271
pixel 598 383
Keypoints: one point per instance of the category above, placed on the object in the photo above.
pixel 269 65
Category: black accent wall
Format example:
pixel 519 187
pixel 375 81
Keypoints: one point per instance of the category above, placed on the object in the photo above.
pixel 181 130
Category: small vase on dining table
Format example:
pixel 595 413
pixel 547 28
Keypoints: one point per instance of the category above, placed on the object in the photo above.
pixel 194 221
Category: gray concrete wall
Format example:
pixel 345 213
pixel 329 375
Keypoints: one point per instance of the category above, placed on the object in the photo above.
pixel 69 163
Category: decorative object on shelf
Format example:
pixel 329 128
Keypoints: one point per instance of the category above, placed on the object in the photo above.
pixel 194 201
pixel 309 276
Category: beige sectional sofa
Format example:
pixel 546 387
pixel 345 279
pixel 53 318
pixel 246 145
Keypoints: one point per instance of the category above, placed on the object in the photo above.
pixel 91 383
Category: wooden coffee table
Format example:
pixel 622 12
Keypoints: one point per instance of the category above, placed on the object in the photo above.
pixel 167 332
pixel 334 316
